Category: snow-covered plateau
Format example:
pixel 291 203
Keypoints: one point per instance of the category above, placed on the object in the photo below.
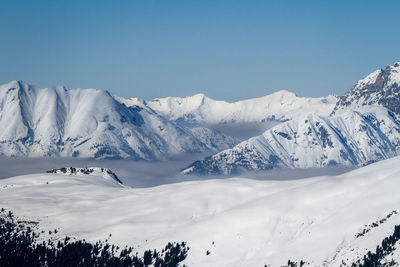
pixel 324 221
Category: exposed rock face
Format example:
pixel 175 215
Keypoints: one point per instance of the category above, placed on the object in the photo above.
pixel 382 87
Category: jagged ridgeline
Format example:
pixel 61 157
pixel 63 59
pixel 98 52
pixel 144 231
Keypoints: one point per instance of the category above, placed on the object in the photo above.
pixel 21 245
pixel 363 127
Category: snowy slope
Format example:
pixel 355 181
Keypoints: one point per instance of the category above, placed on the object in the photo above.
pixel 91 123
pixel 363 128
pixel 241 222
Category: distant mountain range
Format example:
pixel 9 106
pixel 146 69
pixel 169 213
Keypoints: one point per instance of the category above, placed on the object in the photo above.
pixel 242 119
pixel 94 123
pixel 277 130
pixel 363 127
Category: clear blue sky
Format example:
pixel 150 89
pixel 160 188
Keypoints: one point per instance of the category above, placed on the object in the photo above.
pixel 226 49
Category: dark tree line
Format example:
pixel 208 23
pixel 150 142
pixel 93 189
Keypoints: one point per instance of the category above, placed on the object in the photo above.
pixel 19 246
pixel 73 170
pixel 295 264
pixel 372 259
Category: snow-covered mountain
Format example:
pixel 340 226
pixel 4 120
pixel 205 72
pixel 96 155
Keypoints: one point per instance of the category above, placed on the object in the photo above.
pixel 363 128
pixel 91 123
pixel 352 138
pixel 280 106
pixel 323 221
pixel 244 118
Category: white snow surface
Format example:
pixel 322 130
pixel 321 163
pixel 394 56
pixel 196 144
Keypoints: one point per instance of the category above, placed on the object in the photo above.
pixel 241 222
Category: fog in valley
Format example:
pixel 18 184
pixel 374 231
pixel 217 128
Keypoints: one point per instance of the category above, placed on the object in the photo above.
pixel 148 174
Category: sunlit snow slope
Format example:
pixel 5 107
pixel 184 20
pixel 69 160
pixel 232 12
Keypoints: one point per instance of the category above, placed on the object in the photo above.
pixel 241 222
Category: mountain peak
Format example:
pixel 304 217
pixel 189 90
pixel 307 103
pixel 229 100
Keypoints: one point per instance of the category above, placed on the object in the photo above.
pixel 198 98
pixel 381 87
pixel 21 85
pixel 284 92
pixel 369 79
pixel 199 95
pixel 11 84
